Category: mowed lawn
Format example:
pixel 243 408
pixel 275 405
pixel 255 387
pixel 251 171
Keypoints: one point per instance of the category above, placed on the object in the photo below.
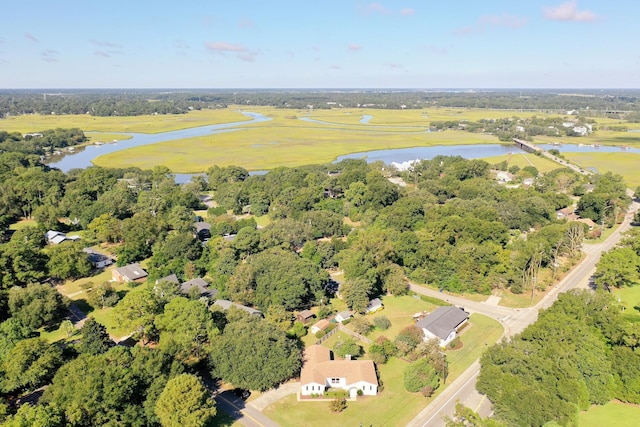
pixel 393 405
pixel 616 414
pixel 75 292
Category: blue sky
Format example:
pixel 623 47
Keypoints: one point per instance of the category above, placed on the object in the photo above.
pixel 320 44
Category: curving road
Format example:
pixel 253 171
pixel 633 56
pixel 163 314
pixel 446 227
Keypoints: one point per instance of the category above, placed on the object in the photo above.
pixel 463 389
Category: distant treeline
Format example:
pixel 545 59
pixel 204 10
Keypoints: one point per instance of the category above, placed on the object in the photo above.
pixel 611 103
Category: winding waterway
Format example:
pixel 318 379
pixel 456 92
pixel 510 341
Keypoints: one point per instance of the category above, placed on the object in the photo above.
pixel 83 159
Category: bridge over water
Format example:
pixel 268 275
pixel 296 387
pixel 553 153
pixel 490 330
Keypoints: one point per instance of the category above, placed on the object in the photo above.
pixel 526 146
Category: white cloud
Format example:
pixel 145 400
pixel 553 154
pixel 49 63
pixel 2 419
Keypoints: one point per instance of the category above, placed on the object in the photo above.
pixel 225 47
pixel 568 11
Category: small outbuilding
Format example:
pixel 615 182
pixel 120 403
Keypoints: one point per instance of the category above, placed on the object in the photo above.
pixel 344 315
pixel 305 316
pixel 320 325
pixel 374 305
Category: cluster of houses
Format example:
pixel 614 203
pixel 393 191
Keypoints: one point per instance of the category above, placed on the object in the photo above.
pixel 198 286
pixel 320 371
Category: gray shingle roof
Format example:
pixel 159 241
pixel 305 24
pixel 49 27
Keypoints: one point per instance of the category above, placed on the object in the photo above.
pixel 201 285
pixel 443 320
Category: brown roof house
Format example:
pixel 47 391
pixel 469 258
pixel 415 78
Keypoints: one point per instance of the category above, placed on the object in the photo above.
pixel 320 371
pixel 320 325
pixel 305 316
pixel 128 273
pixel 443 324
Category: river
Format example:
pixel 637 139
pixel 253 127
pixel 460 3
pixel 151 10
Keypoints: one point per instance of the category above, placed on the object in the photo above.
pixel 82 159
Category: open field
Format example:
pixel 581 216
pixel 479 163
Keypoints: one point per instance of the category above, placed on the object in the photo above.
pixel 399 310
pixel 522 159
pixel 625 164
pixel 142 124
pixel 616 414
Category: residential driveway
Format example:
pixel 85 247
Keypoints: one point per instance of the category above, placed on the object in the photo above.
pixel 272 396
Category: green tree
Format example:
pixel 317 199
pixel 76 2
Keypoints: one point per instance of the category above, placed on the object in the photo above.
pixel 137 311
pixel 95 339
pixel 185 402
pixel 347 347
pixel 186 328
pixel 68 261
pixel 355 292
pixel 36 305
pixel 30 364
pixel 420 376
pixel 254 354
pixel 29 415
pixel 617 268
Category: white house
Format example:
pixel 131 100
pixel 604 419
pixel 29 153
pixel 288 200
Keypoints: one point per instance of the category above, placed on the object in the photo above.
pixel 320 371
pixel 374 305
pixel 97 259
pixel 443 324
pixel 57 237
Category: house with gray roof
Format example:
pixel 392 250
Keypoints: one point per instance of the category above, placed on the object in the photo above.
pixel 172 278
pixel 198 285
pixel 443 324
pixel 97 259
pixel 128 273
pixel 227 304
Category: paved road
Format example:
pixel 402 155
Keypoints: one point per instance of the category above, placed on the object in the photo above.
pixel 241 411
pixel 463 389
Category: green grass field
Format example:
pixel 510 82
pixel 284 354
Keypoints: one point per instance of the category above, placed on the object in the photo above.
pixel 263 148
pixel 522 159
pixel 142 124
pixel 622 163
pixel 616 414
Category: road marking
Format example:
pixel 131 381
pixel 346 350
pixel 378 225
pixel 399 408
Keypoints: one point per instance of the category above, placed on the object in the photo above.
pixel 245 414
pixel 480 404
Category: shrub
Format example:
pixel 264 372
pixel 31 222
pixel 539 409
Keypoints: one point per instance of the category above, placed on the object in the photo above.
pixel 320 334
pixel 382 322
pixel 338 405
pixel 360 392
pixel 361 325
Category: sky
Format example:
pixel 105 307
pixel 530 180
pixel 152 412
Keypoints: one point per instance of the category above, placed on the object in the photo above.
pixel 275 44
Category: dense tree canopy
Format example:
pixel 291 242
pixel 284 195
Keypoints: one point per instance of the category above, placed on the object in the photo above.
pixel 255 354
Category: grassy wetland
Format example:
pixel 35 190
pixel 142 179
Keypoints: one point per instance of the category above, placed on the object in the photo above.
pixel 295 137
